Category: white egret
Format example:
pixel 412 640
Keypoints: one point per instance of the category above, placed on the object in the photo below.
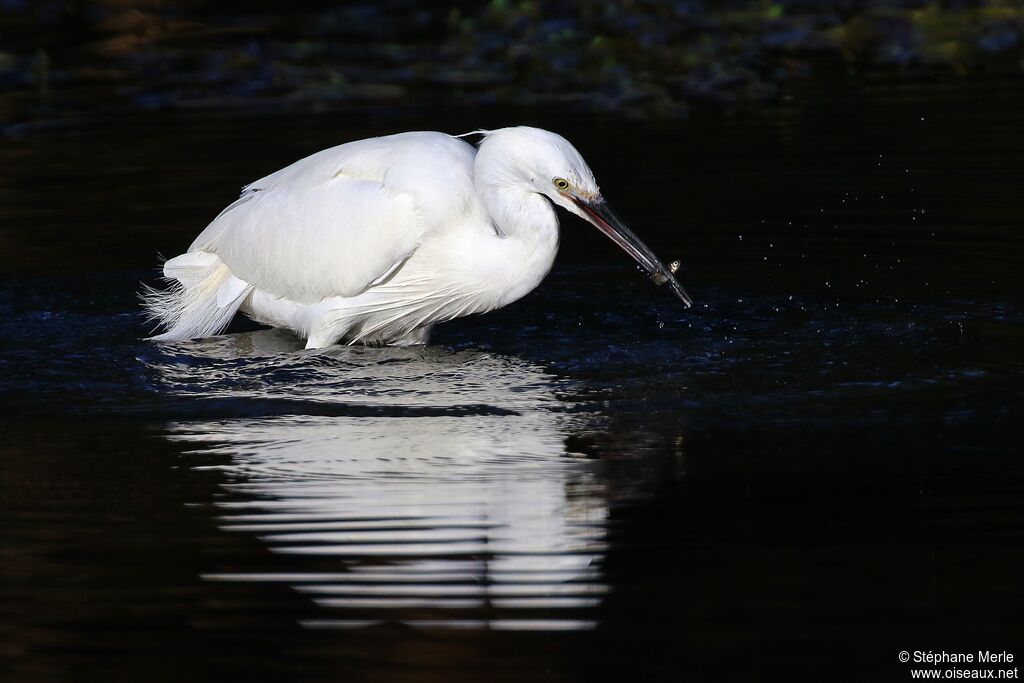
pixel 375 241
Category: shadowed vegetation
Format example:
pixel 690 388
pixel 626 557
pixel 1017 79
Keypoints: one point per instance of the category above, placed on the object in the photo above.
pixel 645 58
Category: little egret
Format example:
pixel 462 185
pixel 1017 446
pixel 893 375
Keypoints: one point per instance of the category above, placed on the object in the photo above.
pixel 375 241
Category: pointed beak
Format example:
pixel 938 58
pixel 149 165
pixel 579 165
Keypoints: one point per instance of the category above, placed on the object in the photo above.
pixel 598 213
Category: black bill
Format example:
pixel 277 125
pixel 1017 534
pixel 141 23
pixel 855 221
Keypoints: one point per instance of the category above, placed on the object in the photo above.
pixel 608 223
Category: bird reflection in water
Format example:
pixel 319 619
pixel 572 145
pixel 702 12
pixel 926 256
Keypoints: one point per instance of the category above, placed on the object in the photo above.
pixel 439 482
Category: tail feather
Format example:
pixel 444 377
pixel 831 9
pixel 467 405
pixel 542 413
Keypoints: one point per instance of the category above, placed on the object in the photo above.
pixel 189 308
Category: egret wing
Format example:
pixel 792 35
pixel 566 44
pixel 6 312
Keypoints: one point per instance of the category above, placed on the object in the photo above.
pixel 328 225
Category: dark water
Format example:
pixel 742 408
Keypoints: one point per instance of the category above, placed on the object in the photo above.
pixel 817 467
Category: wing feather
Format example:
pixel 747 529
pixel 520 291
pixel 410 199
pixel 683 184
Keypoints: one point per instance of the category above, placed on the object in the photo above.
pixel 344 219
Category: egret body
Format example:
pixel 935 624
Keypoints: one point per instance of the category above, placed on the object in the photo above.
pixel 377 240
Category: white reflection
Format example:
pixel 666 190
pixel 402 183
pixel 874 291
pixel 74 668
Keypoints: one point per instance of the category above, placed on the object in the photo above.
pixel 438 481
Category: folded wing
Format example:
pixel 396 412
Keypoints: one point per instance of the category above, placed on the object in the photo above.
pixel 339 221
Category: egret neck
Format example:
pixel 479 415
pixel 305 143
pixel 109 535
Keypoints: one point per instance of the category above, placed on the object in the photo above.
pixel 524 221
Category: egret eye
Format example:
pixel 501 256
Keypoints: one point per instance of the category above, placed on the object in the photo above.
pixel 561 183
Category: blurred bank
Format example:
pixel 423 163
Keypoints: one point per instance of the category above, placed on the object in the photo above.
pixel 648 59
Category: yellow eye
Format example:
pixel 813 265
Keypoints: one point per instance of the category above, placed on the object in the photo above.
pixel 561 183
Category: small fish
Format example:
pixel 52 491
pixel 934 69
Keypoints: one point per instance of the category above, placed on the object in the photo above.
pixel 661 278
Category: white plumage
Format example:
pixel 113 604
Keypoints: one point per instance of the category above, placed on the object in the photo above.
pixel 377 240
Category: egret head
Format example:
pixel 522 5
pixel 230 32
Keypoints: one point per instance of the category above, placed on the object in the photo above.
pixel 549 165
